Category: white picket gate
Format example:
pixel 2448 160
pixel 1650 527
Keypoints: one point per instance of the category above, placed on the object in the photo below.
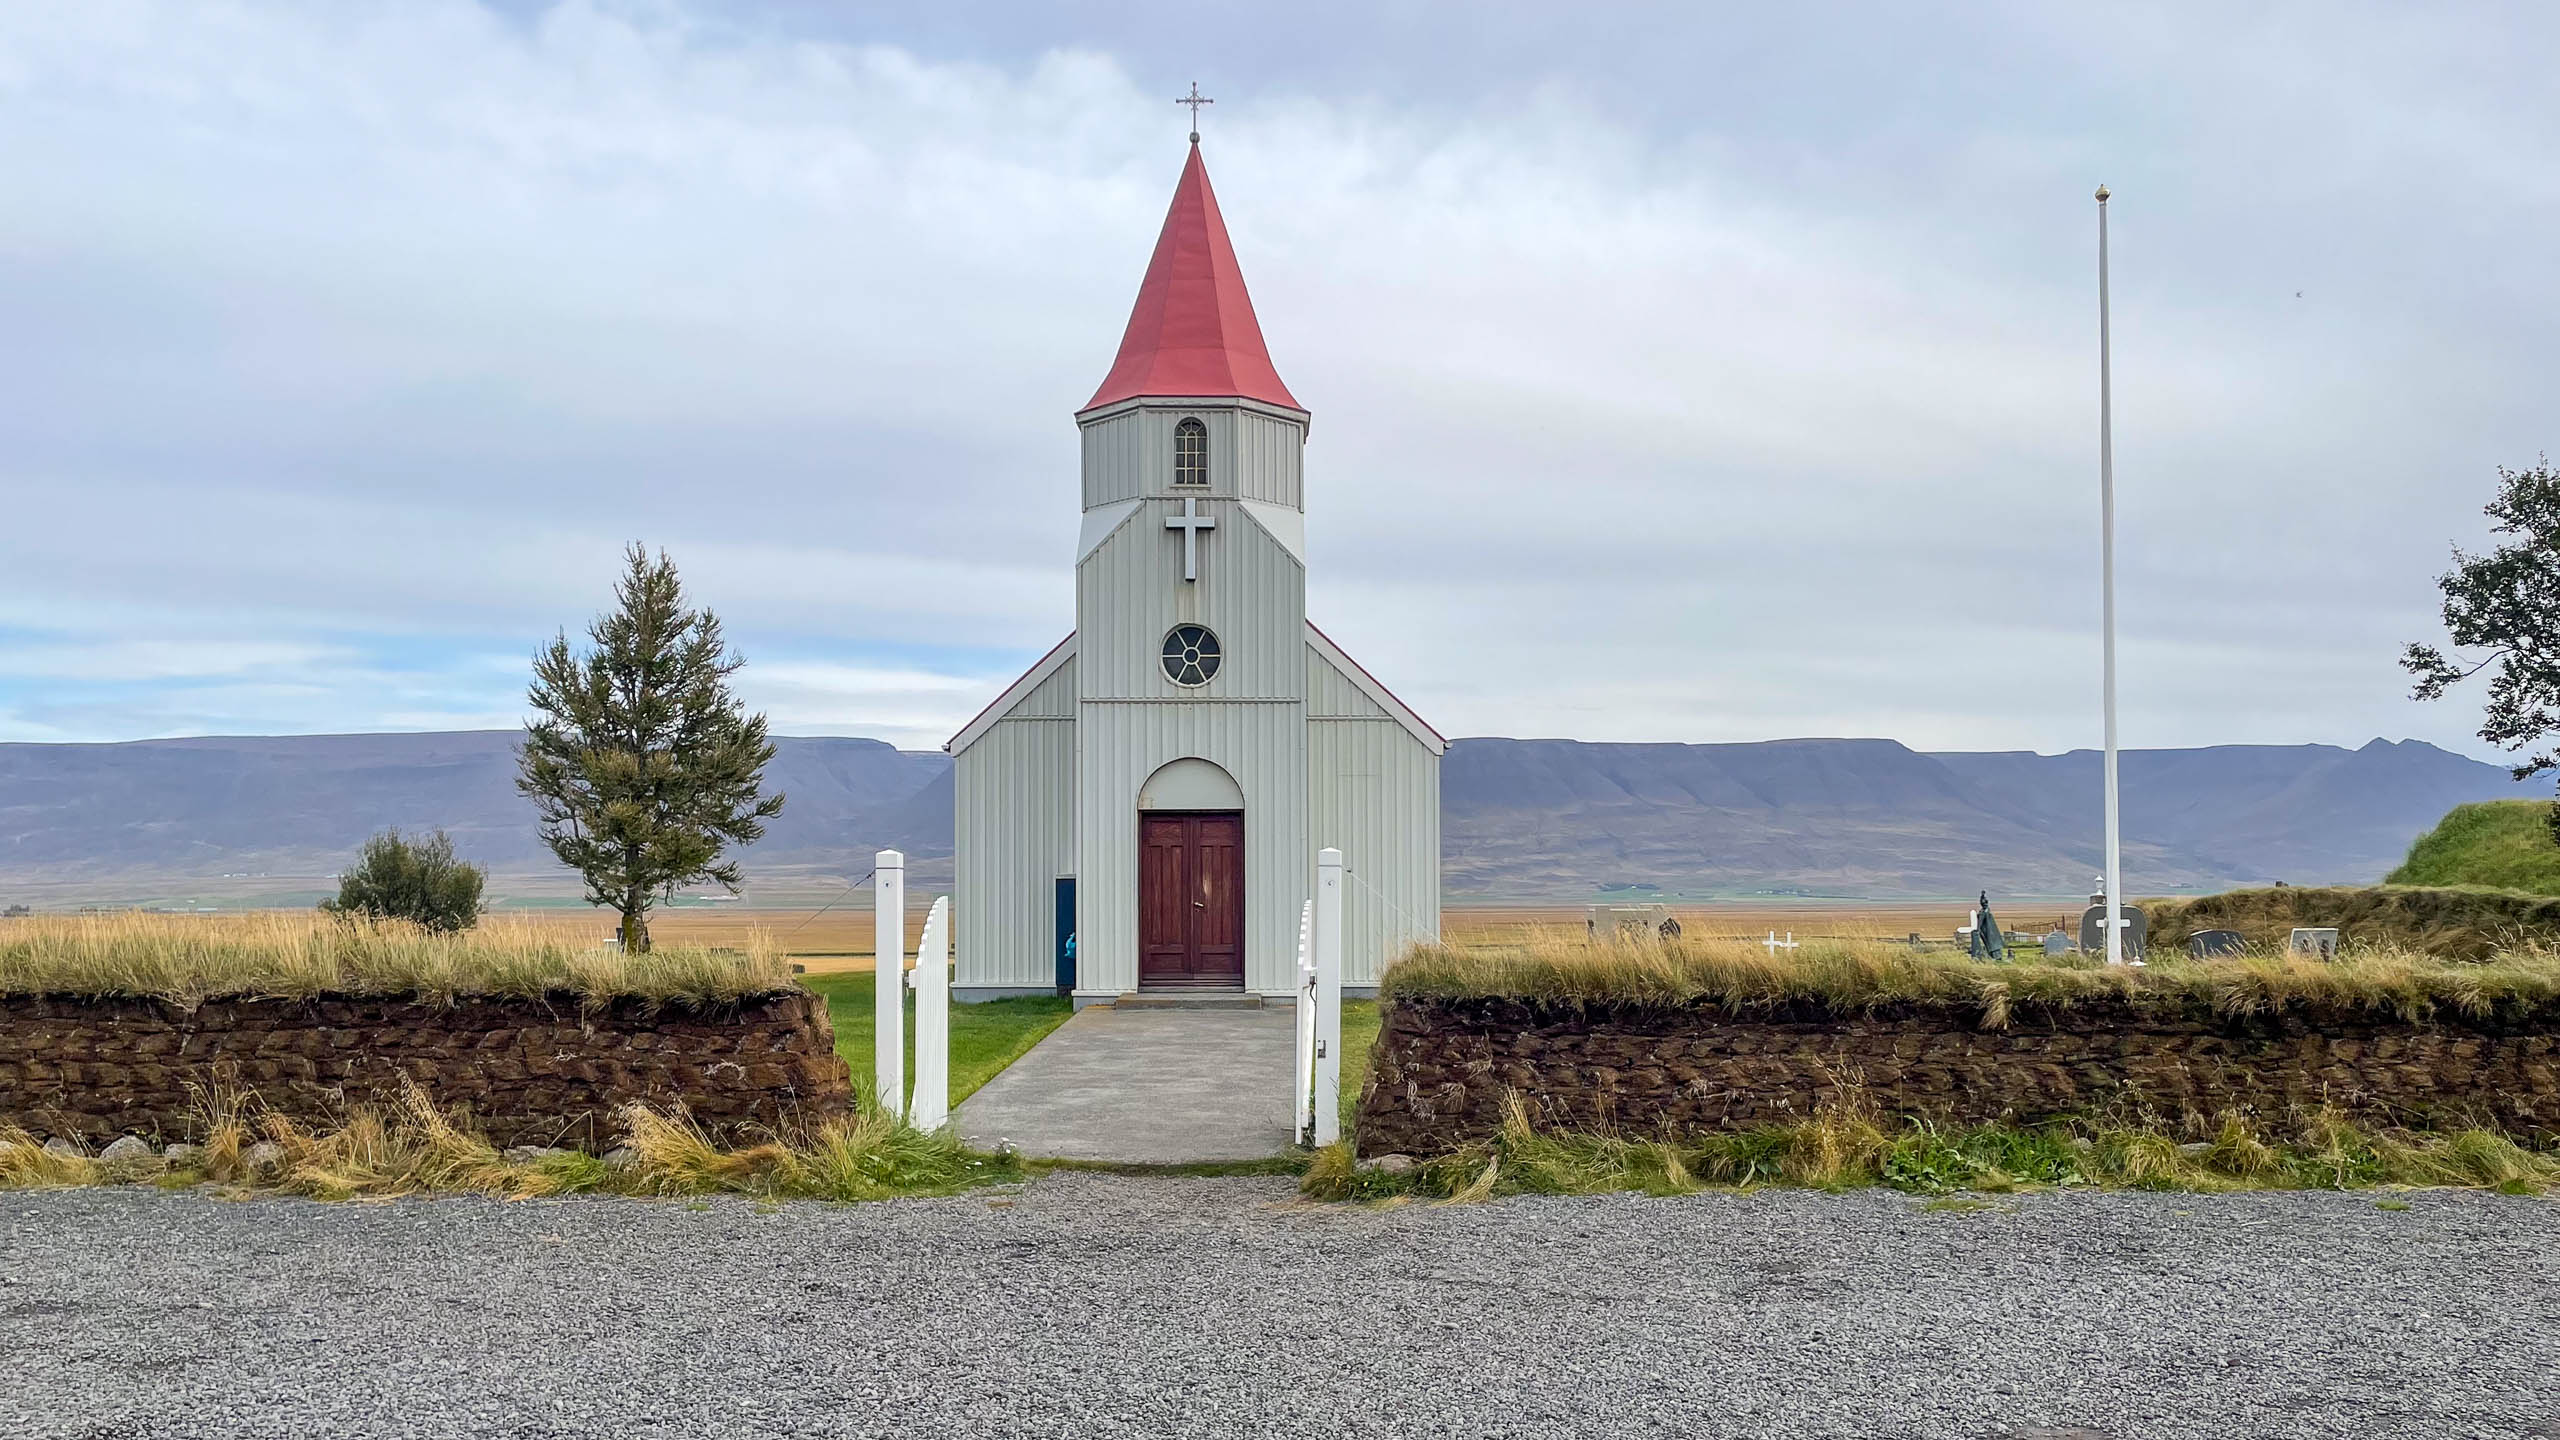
pixel 1302 1075
pixel 888 990
pixel 1315 1085
pixel 930 1105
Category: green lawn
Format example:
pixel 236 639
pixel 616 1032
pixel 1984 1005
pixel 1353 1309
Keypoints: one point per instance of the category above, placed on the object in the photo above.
pixel 984 1038
pixel 2506 844
pixel 1359 1033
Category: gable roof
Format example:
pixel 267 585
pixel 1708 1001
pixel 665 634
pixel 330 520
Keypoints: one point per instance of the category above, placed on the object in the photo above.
pixel 1003 704
pixel 1384 698
pixel 1334 655
pixel 1193 331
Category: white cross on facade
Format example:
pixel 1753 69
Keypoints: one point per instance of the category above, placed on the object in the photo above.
pixel 1190 522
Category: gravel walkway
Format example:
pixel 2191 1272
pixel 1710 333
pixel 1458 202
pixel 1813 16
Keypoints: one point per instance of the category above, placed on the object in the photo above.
pixel 1091 1304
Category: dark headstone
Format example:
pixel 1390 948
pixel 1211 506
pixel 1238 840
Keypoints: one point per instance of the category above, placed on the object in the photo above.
pixel 2093 930
pixel 2204 944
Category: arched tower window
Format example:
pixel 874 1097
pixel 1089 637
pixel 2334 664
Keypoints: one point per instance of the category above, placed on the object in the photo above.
pixel 1190 453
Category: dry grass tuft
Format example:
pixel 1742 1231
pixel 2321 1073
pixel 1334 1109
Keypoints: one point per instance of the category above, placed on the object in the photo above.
pixel 190 958
pixel 26 1165
pixel 1562 967
pixel 415 1148
pixel 1845 1145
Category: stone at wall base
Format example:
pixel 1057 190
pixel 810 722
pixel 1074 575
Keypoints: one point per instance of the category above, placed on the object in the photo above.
pixel 128 1150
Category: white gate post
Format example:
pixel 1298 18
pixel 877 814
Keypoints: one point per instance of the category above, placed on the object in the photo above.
pixel 889 961
pixel 1300 1075
pixel 1328 933
pixel 932 1103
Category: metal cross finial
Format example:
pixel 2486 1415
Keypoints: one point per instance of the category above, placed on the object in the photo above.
pixel 1195 100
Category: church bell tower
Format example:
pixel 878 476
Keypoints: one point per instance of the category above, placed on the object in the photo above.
pixel 1140 811
pixel 1190 621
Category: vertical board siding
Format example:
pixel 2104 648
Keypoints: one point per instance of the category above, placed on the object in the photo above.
pixel 1332 695
pixel 1252 593
pixel 1051 699
pixel 1013 834
pixel 1251 455
pixel 1268 454
pixel 1375 795
pixel 1112 462
pixel 1043 795
pixel 1264 748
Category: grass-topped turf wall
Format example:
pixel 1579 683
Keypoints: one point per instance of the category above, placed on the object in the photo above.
pixel 315 1057
pixel 2450 922
pixel 1664 1042
pixel 128 1023
pixel 2502 844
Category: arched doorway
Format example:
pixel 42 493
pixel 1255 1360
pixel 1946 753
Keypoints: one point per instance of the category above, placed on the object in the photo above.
pixel 1191 879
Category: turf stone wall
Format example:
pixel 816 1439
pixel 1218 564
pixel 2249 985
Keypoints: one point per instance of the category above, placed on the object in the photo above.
pixel 528 1072
pixel 1443 1068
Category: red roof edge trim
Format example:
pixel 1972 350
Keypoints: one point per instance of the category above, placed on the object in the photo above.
pixel 1008 690
pixel 1381 684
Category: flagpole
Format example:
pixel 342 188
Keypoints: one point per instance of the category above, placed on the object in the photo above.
pixel 2107 593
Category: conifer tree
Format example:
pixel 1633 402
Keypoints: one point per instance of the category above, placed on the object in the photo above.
pixel 644 767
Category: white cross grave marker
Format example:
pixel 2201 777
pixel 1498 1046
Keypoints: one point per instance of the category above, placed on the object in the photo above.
pixel 1775 944
pixel 1190 522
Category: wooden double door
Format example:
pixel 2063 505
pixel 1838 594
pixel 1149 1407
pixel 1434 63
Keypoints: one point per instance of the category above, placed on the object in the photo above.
pixel 1191 901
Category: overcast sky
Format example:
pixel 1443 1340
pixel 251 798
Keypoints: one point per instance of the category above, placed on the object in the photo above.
pixel 1677 375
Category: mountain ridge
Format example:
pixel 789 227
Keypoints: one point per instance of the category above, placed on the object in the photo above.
pixel 1538 819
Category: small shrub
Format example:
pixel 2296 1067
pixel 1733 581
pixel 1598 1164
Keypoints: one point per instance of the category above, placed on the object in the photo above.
pixel 1925 1164
pixel 419 881
pixel 2029 1157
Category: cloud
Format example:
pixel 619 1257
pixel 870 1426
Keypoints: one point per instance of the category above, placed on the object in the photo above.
pixel 356 341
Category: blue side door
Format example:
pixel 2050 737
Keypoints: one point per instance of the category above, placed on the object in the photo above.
pixel 1066 934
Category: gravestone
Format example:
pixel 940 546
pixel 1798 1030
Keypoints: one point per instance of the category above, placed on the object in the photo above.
pixel 2320 940
pixel 2056 942
pixel 1630 922
pixel 2093 928
pixel 2205 944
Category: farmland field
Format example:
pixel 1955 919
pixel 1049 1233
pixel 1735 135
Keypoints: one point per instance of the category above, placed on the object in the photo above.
pixel 840 938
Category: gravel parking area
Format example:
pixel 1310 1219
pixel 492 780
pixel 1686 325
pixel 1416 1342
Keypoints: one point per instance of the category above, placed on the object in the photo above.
pixel 1090 1304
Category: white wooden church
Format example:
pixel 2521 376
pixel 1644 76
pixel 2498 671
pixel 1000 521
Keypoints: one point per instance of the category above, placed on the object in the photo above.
pixel 1141 811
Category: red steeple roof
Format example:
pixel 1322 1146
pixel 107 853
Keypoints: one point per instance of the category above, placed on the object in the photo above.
pixel 1193 331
